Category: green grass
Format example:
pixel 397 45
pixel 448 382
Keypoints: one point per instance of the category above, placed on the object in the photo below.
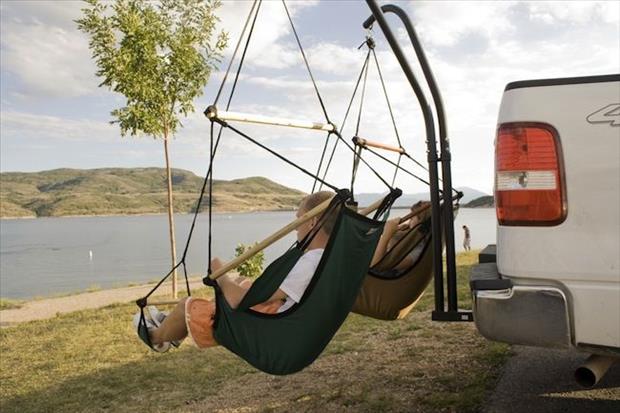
pixel 6 304
pixel 92 361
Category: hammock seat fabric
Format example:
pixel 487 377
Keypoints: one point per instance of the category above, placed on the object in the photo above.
pixel 388 294
pixel 287 342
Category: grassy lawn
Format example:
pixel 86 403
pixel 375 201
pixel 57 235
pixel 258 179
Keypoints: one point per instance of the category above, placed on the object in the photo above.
pixel 6 304
pixel 92 361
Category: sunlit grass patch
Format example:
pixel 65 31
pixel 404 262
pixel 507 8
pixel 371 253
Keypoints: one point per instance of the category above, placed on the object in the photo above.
pixel 92 361
pixel 6 304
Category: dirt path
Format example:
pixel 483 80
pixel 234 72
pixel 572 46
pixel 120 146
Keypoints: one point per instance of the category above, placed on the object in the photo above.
pixel 49 307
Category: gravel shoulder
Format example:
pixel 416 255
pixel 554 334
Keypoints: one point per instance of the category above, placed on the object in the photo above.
pixel 537 380
pixel 50 307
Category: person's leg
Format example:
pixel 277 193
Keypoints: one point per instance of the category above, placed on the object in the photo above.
pixel 173 327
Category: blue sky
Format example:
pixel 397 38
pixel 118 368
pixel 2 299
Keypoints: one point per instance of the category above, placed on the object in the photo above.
pixel 53 114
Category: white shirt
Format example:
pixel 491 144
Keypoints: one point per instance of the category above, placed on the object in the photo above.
pixel 296 282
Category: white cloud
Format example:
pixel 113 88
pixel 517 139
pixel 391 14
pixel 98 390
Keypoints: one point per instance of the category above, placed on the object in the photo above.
pixel 272 44
pixel 58 13
pixel 28 126
pixel 575 12
pixel 444 23
pixel 474 50
pixel 43 49
pixel 49 60
pixel 330 58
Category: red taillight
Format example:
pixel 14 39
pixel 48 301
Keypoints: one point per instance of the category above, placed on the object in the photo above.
pixel 529 187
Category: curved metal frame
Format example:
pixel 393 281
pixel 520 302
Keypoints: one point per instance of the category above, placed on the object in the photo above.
pixel 440 314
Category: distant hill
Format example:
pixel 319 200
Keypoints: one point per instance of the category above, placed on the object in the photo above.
pixel 406 200
pixel 486 201
pixel 113 191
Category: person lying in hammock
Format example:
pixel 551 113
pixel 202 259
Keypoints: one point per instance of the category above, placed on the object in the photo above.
pixel 393 231
pixel 193 317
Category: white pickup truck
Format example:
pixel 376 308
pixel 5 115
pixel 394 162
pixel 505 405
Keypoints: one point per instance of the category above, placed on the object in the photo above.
pixel 554 278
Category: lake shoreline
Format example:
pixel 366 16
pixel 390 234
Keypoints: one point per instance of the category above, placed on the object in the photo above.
pixel 147 214
pixel 250 211
pixel 51 257
pixel 49 307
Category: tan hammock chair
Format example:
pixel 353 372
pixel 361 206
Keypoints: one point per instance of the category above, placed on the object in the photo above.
pixel 389 293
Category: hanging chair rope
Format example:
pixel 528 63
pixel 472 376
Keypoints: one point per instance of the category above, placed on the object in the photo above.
pixel 377 154
pixel 378 207
pixel 303 54
pixel 182 262
pixel 214 145
pixel 245 26
pixel 362 79
pixel 318 169
pixel 344 120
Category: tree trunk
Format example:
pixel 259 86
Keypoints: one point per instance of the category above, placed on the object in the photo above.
pixel 173 248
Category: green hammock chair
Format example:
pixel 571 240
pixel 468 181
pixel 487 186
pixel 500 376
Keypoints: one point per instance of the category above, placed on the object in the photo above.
pixel 287 342
pixel 390 294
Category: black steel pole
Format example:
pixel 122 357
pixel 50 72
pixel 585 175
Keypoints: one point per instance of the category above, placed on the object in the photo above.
pixel 431 143
pixel 446 157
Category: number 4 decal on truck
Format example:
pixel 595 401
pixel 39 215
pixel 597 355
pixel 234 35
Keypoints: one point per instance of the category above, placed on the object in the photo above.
pixel 608 114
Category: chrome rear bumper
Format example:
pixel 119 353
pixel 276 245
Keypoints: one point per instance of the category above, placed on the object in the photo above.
pixel 519 314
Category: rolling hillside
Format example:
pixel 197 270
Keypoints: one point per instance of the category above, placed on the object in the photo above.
pixel 406 200
pixel 113 191
pixel 486 201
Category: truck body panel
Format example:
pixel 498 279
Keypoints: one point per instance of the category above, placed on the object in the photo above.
pixel 580 256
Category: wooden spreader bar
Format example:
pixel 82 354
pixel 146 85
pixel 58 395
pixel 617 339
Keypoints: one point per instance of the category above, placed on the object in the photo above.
pixel 213 113
pixel 365 142
pixel 426 205
pixel 231 265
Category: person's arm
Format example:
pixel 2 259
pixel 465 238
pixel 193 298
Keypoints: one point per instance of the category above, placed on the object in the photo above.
pixel 279 295
pixel 233 291
pixel 390 228
pixel 404 263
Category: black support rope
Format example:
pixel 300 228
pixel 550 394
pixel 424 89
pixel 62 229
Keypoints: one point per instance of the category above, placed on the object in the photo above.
pixel 397 166
pixel 344 120
pixel 359 114
pixel 387 100
pixel 318 169
pixel 303 54
pixel 361 158
pixel 213 150
pixel 245 26
pixel 211 157
pixel 271 151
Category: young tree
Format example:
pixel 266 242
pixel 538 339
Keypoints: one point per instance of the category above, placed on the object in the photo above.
pixel 159 55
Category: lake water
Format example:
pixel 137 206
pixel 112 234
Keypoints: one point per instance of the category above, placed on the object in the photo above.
pixel 49 256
